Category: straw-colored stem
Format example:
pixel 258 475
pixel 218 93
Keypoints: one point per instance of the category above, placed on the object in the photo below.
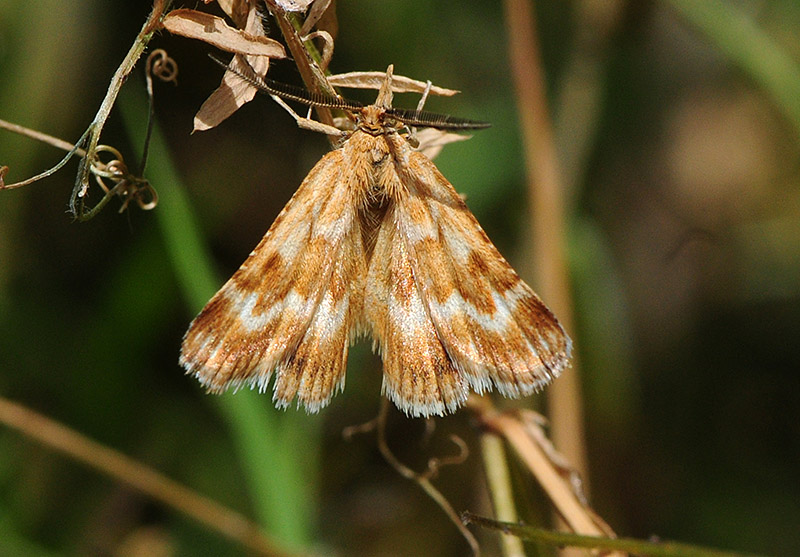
pixel 313 76
pixel 146 480
pixel 548 229
pixel 577 516
pixel 499 482
pixel 117 81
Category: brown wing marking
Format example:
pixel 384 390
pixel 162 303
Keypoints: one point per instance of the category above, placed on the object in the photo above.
pixel 289 307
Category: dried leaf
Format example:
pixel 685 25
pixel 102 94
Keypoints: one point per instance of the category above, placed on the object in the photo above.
pixel 374 80
pixel 316 13
pixel 327 47
pixel 237 10
pixel 214 30
pixel 432 140
pixel 234 91
pixel 293 5
pixel 329 22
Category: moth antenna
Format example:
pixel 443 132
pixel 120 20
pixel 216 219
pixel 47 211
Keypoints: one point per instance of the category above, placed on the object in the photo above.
pixel 290 92
pixel 418 118
pixel 423 119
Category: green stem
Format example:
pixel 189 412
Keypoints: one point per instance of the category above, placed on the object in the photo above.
pixel 498 479
pixel 117 81
pixel 628 545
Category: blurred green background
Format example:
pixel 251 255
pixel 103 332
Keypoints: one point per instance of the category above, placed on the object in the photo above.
pixel 678 130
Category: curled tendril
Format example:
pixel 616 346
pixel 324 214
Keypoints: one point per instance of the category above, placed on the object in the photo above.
pixel 423 479
pixel 115 179
pixel 159 64
pixel 435 464
pixel 327 46
pixel 113 176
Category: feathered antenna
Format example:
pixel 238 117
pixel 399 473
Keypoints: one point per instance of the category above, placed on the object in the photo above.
pixel 418 118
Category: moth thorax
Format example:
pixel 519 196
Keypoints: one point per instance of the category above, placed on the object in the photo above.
pixel 371 214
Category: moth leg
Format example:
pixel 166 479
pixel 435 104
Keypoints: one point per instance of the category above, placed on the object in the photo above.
pixel 421 103
pixel 412 131
pixel 308 123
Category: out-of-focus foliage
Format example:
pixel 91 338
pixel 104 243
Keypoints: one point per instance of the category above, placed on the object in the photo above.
pixel 685 250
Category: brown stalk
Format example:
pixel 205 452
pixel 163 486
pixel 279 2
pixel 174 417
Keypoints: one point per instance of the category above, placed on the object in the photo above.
pixel 122 468
pixel 558 489
pixel 423 480
pixel 548 227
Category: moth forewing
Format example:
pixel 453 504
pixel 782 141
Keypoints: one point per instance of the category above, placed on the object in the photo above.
pixel 377 241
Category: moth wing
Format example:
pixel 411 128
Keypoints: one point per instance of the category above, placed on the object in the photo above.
pixel 418 375
pixel 492 330
pixel 292 305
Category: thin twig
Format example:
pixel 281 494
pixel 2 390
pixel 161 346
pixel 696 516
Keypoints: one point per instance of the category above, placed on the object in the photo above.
pixel 143 478
pixel 160 64
pixel 60 143
pixel 420 479
pixel 43 137
pixel 96 127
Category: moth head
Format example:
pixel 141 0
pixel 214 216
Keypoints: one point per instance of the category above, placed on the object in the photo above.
pixel 376 119
pixel 370 119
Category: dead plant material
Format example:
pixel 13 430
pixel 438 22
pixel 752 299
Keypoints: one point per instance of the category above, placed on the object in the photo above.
pixel 557 479
pixel 233 92
pixel 373 80
pixel 214 31
pixel 122 468
pixel 422 479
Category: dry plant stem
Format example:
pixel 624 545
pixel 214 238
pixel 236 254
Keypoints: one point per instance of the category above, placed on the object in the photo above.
pixel 40 136
pixel 45 138
pixel 312 76
pixel 422 480
pixel 122 468
pixel 327 48
pixel 548 228
pixel 499 480
pixel 124 69
pixel 559 491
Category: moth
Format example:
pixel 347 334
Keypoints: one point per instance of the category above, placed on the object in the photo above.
pixel 376 242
